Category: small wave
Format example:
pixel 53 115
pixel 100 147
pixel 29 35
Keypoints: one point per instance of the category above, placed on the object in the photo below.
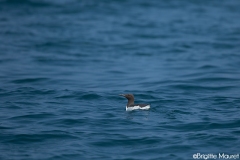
pixel 29 80
pixel 91 96
pixel 38 137
pixel 30 3
pixel 32 116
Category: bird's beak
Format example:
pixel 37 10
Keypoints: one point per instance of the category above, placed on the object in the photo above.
pixel 122 95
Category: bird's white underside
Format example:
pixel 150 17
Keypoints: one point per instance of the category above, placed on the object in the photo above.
pixel 137 107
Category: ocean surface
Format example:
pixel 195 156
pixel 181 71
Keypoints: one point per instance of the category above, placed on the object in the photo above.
pixel 63 64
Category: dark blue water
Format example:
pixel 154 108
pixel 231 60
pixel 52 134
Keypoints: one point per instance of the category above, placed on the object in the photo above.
pixel 63 64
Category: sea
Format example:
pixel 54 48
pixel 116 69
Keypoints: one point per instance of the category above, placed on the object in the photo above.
pixel 63 64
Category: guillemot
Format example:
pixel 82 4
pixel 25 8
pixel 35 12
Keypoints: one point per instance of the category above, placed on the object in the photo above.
pixel 131 106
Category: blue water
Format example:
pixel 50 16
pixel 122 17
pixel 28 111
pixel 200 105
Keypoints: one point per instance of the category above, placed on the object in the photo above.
pixel 64 63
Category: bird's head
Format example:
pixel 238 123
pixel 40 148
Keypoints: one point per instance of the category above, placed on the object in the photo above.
pixel 128 96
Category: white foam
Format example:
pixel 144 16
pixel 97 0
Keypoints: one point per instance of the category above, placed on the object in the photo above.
pixel 137 107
